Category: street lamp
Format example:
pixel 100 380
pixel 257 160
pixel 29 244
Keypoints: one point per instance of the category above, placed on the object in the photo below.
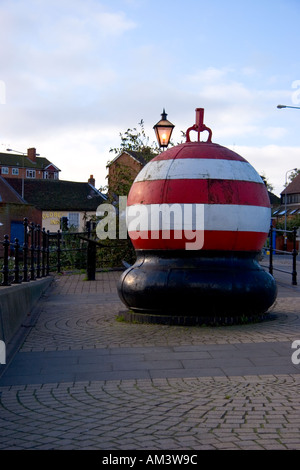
pixel 163 130
pixel 285 209
pixel 22 153
pixel 280 106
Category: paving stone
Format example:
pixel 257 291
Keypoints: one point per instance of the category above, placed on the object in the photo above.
pixel 83 380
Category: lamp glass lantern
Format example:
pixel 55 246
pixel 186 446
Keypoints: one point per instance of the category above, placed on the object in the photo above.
pixel 163 130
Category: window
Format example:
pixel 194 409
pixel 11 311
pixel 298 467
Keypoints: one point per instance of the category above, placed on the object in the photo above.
pixel 74 219
pixel 30 173
pixel 4 170
pixel 50 175
pixel 15 171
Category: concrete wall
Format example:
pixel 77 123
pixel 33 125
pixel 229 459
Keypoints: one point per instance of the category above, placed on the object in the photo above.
pixel 16 302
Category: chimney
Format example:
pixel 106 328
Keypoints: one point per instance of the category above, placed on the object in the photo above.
pixel 31 154
pixel 91 180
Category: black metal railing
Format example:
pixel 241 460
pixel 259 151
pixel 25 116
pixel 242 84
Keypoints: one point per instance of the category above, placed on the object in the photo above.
pixel 292 254
pixel 28 261
pixel 42 253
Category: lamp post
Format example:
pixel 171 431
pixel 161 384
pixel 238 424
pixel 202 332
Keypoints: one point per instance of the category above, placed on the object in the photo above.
pixel 285 209
pixel 22 153
pixel 280 106
pixel 163 130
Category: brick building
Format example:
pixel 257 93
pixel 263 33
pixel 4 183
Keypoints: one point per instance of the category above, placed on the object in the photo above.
pixel 57 198
pixel 27 166
pixel 292 203
pixel 30 187
pixel 123 169
pixel 289 209
pixel 13 210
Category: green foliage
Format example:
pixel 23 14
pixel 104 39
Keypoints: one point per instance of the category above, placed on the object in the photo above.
pixel 291 223
pixel 73 252
pixel 137 141
pixel 292 175
pixel 115 252
pixel 268 185
pixel 112 253
pixel 122 181
pixel 132 140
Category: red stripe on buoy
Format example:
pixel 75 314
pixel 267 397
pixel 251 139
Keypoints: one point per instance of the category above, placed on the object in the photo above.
pixel 193 150
pixel 199 192
pixel 213 240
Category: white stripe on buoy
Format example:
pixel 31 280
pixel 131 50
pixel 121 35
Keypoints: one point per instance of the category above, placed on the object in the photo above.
pixel 215 217
pixel 204 168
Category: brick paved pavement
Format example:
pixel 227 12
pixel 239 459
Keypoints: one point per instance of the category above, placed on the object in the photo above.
pixel 84 380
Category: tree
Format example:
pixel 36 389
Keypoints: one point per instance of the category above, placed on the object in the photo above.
pixel 121 175
pixel 267 184
pixel 132 140
pixel 292 175
pixel 136 140
pixel 292 222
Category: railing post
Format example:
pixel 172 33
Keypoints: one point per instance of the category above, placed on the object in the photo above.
pixel 271 251
pixel 38 251
pixel 294 254
pixel 32 247
pixel 5 268
pixel 88 228
pixel 16 266
pixel 58 250
pixel 91 260
pixel 25 251
pixel 43 251
pixel 47 253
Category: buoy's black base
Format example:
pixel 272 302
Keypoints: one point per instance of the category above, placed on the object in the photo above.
pixel 186 320
pixel 197 284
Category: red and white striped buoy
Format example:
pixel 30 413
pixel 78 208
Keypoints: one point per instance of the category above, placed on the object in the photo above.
pixel 198 216
pixel 235 200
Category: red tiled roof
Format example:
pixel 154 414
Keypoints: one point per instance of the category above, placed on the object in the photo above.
pixel 293 187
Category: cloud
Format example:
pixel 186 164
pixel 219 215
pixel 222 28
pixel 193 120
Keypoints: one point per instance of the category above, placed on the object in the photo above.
pixel 77 73
pixel 63 42
pixel 271 160
pixel 208 75
pixel 275 133
pixel 60 61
